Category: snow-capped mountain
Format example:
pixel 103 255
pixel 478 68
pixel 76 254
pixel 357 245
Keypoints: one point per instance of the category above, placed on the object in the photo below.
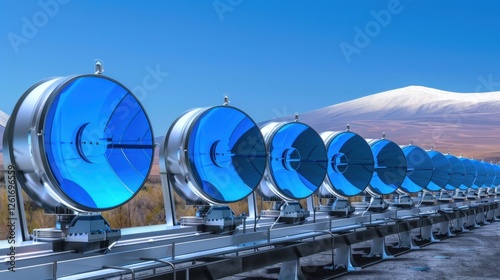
pixel 409 103
pixel 457 122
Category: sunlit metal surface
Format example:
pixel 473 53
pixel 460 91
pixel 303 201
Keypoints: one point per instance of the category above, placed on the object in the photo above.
pixel 350 163
pixel 83 142
pixel 442 171
pixel 390 167
pixel 222 151
pixel 420 169
pixel 214 154
pixel 297 162
pixel 457 173
pixel 148 252
pixel 480 174
pixel 470 173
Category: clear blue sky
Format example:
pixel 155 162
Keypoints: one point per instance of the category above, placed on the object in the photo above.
pixel 270 57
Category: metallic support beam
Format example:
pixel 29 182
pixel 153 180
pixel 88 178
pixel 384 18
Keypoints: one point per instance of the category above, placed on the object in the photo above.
pixel 406 241
pixel 252 206
pixel 164 262
pixel 54 270
pixel 168 200
pixel 291 271
pixel 121 268
pixel 343 258
pixel 427 234
pixel 248 251
pixel 379 248
pixel 405 238
pixel 444 228
pixel 471 220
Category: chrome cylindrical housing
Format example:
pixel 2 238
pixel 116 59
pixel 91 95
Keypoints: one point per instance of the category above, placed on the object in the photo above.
pixel 350 164
pixel 470 173
pixel 490 175
pixel 481 175
pixel 442 171
pixel 215 154
pixel 83 142
pixel 457 175
pixel 297 161
pixel 420 169
pixel 496 181
pixel 390 167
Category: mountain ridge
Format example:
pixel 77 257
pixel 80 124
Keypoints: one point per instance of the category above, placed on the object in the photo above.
pixel 452 122
pixel 455 122
pixel 409 101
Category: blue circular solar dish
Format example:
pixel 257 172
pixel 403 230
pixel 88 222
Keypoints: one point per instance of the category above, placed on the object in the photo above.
pixel 480 174
pixel 457 173
pixel 228 149
pixel 470 174
pixel 98 142
pixel 496 181
pixel 224 153
pixel 390 167
pixel 490 175
pixel 420 169
pixel 350 163
pixel 297 160
pixel 442 171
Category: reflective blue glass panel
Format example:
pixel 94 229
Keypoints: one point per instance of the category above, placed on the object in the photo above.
pixel 496 181
pixel 297 160
pixel 442 171
pixel 350 163
pixel 420 169
pixel 390 167
pixel 227 154
pixel 480 174
pixel 470 174
pixel 457 173
pixel 490 175
pixel 98 142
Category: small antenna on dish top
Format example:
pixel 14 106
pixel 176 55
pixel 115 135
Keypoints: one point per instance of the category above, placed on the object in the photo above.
pixel 383 135
pixel 348 127
pixel 296 118
pixel 226 100
pixel 98 67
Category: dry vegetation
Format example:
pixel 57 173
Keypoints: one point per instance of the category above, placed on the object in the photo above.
pixel 35 216
pixel 146 208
